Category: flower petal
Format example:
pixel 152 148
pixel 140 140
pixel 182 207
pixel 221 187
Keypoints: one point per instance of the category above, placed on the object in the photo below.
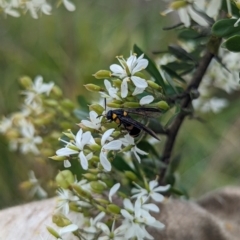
pixel 106 135
pixel 83 160
pixel 124 88
pixel 146 100
pixel 113 190
pixel 105 163
pixel 139 82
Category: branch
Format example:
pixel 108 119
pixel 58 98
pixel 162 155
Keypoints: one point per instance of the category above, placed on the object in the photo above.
pixel 174 128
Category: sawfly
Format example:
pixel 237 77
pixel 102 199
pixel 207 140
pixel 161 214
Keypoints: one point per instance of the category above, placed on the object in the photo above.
pixel 134 128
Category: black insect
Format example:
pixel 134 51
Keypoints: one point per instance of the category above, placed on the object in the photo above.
pixel 122 117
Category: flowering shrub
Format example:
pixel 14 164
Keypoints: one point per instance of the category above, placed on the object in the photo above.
pixel 123 175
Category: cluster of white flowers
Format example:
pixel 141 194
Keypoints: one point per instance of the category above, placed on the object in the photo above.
pixel 18 127
pixel 132 218
pixel 12 7
pixel 191 10
pixel 95 146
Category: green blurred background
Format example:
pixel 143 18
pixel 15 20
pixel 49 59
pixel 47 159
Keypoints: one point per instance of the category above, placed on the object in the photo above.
pixel 68 47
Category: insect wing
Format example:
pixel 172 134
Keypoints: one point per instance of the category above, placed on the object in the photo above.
pixel 130 121
pixel 146 112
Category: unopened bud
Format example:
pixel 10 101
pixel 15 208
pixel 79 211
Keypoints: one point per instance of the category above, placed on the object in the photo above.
pixel 60 220
pixel 25 81
pixel 56 91
pixel 117 83
pixel 97 187
pixel 65 178
pixel 162 105
pixel 131 105
pixel 68 104
pixel 178 4
pixel 101 74
pixel 130 175
pixel 194 94
pixel 97 108
pixel 90 176
pixel 113 208
pixel 53 232
pixel 114 105
pixel 94 147
pixel 154 85
pixel 93 88
pixel 101 200
pixel 81 192
pixel 58 158
pixel 51 102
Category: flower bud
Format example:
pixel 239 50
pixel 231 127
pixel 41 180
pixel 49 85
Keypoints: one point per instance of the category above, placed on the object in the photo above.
pixel 58 158
pixel 130 175
pixel 162 105
pixel 237 3
pixel 60 220
pixel 194 94
pixel 81 192
pixel 97 108
pixel 65 178
pixel 97 187
pixel 68 104
pixel 25 81
pixel 94 147
pixel 131 105
pixel 117 83
pixel 154 85
pixel 93 88
pixel 178 4
pixel 57 91
pixel 101 74
pixel 113 208
pixel 114 105
pixel 101 201
pixel 90 176
pixel 51 102
pixel 53 232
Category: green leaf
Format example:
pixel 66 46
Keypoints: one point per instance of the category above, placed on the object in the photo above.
pixel 189 34
pixel 225 28
pixel 172 73
pixel 151 68
pixel 81 114
pixel 233 44
pixel 180 53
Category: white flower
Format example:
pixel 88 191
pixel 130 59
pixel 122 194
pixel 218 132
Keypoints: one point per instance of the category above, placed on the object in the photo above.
pixel 95 121
pixel 62 231
pixel 69 5
pixel 136 220
pixel 92 229
pixel 126 72
pixel 28 140
pixel 112 91
pixel 76 147
pixel 186 12
pixel 116 234
pixel 5 124
pixel 113 190
pixel 152 191
pixel 129 141
pixel 206 105
pixel 65 197
pixel 36 189
pixel 111 145
pixel 37 88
